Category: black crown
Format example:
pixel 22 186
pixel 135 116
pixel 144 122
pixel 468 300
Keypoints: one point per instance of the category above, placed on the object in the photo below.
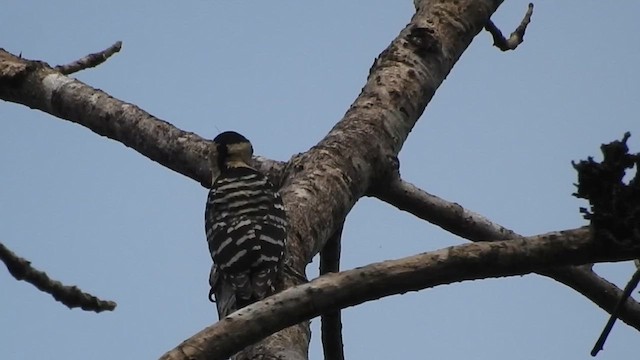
pixel 229 138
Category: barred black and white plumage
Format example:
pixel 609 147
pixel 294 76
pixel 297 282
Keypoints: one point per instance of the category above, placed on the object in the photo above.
pixel 245 222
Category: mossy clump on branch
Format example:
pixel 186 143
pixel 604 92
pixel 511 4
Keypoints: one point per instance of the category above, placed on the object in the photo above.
pixel 615 206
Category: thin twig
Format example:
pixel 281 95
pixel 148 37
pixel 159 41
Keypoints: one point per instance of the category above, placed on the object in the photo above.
pixel 71 296
pixel 453 218
pixel 632 284
pixel 91 60
pixel 331 328
pixel 516 38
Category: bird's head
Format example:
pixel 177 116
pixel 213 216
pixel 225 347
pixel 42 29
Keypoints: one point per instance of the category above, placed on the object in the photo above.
pixel 233 150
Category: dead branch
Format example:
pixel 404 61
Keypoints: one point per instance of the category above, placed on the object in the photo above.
pixel 632 284
pixel 516 38
pixel 91 60
pixel 71 296
pixel 331 322
pixel 34 84
pixel 450 216
pixel 456 219
pixel 348 288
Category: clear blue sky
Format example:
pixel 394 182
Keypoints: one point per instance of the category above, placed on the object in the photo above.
pixel 498 138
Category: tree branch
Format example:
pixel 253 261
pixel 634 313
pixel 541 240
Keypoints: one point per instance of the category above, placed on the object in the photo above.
pixel 91 60
pixel 339 290
pixel 71 296
pixel 449 216
pixel 516 38
pixel 38 86
pixel 331 328
pixel 626 294
pixel 324 183
pixel 454 218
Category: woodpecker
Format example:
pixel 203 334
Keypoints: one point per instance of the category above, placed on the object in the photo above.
pixel 245 222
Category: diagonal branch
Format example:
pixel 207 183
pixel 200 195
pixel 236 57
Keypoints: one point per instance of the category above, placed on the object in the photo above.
pixel 450 216
pixel 517 36
pixel 91 60
pixel 348 288
pixel 71 296
pixel 38 86
pixel 331 328
pixel 324 183
pixel 626 294
pixel 454 218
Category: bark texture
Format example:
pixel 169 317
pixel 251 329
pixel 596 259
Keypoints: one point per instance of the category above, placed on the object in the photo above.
pixel 321 186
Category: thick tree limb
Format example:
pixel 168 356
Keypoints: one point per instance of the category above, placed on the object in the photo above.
pixel 454 218
pixel 352 287
pixel 516 38
pixel 331 328
pixel 40 87
pixel 71 296
pixel 91 60
pixel 321 186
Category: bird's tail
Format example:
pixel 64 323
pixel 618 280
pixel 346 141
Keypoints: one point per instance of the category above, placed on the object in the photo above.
pixel 250 287
pixel 262 282
pixel 241 283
